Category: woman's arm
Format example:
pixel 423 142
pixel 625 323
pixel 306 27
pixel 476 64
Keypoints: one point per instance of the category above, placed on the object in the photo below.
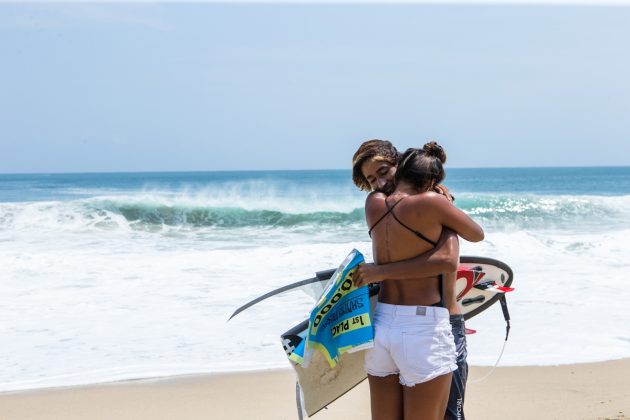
pixel 455 219
pixel 443 258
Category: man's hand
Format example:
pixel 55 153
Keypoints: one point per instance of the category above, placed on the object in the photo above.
pixel 441 189
pixel 367 273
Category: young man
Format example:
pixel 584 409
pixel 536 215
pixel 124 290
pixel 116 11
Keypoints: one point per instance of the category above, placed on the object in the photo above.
pixel 373 169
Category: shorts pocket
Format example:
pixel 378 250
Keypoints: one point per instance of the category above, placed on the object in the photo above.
pixel 428 351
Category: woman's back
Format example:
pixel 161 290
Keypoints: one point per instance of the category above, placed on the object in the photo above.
pixel 407 228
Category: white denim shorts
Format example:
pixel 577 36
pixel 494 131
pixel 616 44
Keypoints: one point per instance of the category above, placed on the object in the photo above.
pixel 414 342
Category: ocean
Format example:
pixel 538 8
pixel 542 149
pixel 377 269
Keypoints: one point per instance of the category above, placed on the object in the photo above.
pixel 133 275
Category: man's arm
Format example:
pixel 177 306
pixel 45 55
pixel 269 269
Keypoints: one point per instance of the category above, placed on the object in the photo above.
pixel 444 258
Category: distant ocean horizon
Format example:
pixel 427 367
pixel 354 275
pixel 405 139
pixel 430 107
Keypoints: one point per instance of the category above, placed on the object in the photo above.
pixel 109 276
pixel 197 171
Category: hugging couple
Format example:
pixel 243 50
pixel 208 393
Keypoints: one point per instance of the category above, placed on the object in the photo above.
pixel 417 368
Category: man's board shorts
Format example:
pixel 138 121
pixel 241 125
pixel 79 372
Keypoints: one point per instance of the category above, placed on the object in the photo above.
pixel 455 406
pixel 414 342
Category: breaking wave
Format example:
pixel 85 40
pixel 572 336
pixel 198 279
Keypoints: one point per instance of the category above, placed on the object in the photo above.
pixel 497 212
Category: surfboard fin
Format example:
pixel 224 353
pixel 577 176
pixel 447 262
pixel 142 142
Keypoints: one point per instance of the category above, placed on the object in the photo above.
pixel 470 301
pixel 492 286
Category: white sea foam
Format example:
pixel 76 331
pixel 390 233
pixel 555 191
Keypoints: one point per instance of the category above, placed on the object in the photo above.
pixel 76 313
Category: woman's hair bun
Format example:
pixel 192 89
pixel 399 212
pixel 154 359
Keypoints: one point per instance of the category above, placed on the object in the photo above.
pixel 435 150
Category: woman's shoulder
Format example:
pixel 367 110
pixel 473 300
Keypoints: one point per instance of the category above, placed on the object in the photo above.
pixel 375 198
pixel 429 197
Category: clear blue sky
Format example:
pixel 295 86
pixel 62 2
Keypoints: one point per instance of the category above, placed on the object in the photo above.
pixel 152 87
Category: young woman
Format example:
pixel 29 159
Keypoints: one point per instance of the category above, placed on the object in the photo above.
pixel 409 369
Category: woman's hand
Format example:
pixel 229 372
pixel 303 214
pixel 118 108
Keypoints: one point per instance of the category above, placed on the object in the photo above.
pixel 367 273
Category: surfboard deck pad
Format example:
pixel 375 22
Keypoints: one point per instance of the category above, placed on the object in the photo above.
pixel 329 383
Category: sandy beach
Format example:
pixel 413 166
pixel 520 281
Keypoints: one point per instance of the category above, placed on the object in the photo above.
pixel 580 391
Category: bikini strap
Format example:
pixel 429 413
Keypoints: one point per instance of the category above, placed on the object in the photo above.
pixel 415 232
pixel 389 210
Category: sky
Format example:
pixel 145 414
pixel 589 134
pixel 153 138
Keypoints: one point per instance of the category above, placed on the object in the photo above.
pixel 108 87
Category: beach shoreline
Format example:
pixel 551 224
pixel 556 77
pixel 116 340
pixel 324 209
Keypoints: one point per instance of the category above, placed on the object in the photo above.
pixel 576 391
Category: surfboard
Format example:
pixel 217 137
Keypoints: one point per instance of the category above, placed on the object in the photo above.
pixel 320 277
pixel 480 283
pixel 475 303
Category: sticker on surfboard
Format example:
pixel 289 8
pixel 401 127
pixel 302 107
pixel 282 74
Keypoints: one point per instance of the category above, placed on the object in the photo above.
pixel 341 320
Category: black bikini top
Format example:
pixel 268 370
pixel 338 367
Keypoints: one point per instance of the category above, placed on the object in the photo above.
pixel 390 211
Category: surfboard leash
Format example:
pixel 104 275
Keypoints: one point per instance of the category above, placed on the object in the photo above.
pixel 506 316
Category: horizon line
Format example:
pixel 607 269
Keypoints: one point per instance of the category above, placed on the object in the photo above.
pixel 291 170
pixel 345 2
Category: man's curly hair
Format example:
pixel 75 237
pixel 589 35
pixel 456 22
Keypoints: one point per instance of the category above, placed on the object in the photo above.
pixel 382 150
